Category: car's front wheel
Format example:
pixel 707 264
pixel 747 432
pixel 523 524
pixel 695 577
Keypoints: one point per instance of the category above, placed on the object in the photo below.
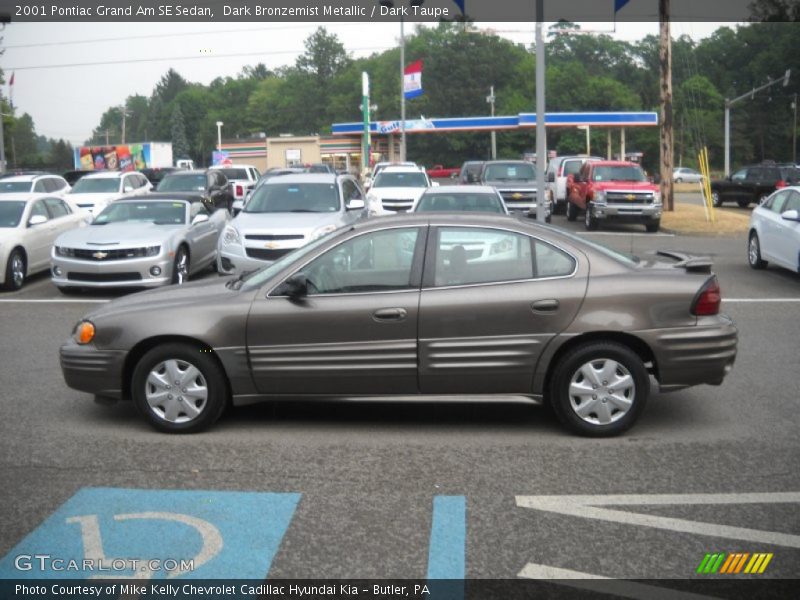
pixel 15 270
pixel 599 389
pixel 754 252
pixel 653 227
pixel 180 267
pixel 716 199
pixel 179 388
pixel 590 221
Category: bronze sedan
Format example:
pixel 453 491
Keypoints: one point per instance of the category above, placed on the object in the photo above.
pixel 416 304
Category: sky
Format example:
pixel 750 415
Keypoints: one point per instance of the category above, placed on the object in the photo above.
pixel 68 101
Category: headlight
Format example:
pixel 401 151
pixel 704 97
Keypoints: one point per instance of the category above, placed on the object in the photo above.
pixel 61 251
pixel 231 236
pixel 599 198
pixel 320 231
pixel 84 332
pixel 657 198
pixel 152 250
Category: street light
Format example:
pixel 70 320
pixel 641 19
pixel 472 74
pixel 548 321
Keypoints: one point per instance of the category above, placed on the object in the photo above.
pixel 490 99
pixel 219 136
pixel 390 4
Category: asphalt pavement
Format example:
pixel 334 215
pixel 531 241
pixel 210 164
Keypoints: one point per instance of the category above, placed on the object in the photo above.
pixel 390 489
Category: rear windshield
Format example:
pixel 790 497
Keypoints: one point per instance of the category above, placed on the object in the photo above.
pixel 11 213
pixel 183 183
pixel 9 187
pixel 388 179
pixel 460 202
pixel 234 173
pixel 98 185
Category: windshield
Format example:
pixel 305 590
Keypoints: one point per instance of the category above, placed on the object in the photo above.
pixel 11 213
pixel 408 180
pixel 632 173
pixel 160 213
pixel 258 277
pixel 460 202
pixel 510 172
pixel 294 198
pixel 96 185
pixel 195 182
pixel 571 167
pixel 9 187
pixel 234 173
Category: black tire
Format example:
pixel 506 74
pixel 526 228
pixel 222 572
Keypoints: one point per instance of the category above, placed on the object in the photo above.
pixel 716 199
pixel 743 203
pixel 548 218
pixel 761 199
pixel 210 374
pixel 679 180
pixel 589 220
pixel 594 353
pixel 16 270
pixel 180 275
pixel 754 252
pixel 572 211
pixel 653 227
pixel 559 208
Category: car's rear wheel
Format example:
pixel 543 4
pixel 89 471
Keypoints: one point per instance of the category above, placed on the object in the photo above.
pixel 15 270
pixel 572 211
pixel 590 221
pixel 679 180
pixel 743 203
pixel 653 227
pixel 716 199
pixel 754 252
pixel 179 388
pixel 599 389
pixel 180 267
pixel 762 198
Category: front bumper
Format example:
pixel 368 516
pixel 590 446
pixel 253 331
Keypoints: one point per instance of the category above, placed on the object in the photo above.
pixel 686 356
pixel 132 272
pixel 94 371
pixel 642 213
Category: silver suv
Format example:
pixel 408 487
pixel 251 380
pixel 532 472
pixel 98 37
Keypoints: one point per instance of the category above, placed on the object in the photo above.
pixel 286 213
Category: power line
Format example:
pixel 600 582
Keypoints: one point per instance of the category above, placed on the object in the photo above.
pixel 163 35
pixel 168 58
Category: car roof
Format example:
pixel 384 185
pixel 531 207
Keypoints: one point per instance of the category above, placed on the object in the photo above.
pixel 174 196
pixel 462 189
pixel 615 163
pixel 236 166
pixel 29 177
pixel 303 178
pixel 188 172
pixel 107 174
pixel 401 169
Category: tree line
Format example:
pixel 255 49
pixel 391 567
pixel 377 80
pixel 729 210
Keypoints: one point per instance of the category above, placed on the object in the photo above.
pixel 584 72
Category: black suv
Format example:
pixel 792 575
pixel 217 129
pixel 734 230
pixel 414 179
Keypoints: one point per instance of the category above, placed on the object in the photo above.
pixel 753 183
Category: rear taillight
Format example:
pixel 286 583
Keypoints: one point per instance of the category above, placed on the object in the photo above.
pixel 239 190
pixel 708 298
pixel 780 184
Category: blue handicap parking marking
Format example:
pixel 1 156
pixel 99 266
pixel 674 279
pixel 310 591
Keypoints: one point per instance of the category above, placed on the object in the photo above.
pixel 157 533
pixel 447 548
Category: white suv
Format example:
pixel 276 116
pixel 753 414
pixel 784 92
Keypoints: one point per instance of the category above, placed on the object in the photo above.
pixel 396 189
pixel 242 178
pixel 94 191
pixel 52 185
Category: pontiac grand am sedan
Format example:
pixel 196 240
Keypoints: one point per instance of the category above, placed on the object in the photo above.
pixel 416 304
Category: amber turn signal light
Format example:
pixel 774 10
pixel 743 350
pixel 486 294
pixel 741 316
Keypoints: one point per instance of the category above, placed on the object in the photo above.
pixel 84 333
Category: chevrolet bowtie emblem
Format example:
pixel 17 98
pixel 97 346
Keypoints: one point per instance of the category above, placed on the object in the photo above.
pixel 630 197
pixel 517 196
pixel 271 245
pixel 100 255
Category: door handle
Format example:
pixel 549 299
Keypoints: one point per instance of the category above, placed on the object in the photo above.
pixel 550 305
pixel 390 314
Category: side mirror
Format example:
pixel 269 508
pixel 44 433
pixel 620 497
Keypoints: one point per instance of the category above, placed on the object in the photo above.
pixel 296 287
pixel 551 177
pixel 355 204
pixel 435 184
pixel 791 215
pixel 37 220
pixel 201 218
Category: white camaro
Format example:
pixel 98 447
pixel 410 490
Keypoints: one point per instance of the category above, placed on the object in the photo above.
pixel 775 231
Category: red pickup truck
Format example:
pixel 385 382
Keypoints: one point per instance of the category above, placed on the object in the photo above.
pixel 613 190
pixel 440 172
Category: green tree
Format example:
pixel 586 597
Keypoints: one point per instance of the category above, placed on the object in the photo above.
pixel 180 145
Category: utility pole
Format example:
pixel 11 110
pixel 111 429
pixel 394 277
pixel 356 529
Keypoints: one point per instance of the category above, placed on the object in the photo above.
pixel 751 94
pixel 124 116
pixel 794 131
pixel 2 144
pixel 541 130
pixel 666 132
pixel 490 99
pixel 106 137
pixel 402 91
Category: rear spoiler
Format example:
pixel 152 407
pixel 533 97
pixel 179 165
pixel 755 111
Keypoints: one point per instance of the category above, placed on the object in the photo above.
pixel 698 264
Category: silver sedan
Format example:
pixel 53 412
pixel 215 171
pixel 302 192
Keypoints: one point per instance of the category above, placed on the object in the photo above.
pixel 140 242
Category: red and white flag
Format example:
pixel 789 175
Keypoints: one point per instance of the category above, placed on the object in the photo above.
pixel 412 80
